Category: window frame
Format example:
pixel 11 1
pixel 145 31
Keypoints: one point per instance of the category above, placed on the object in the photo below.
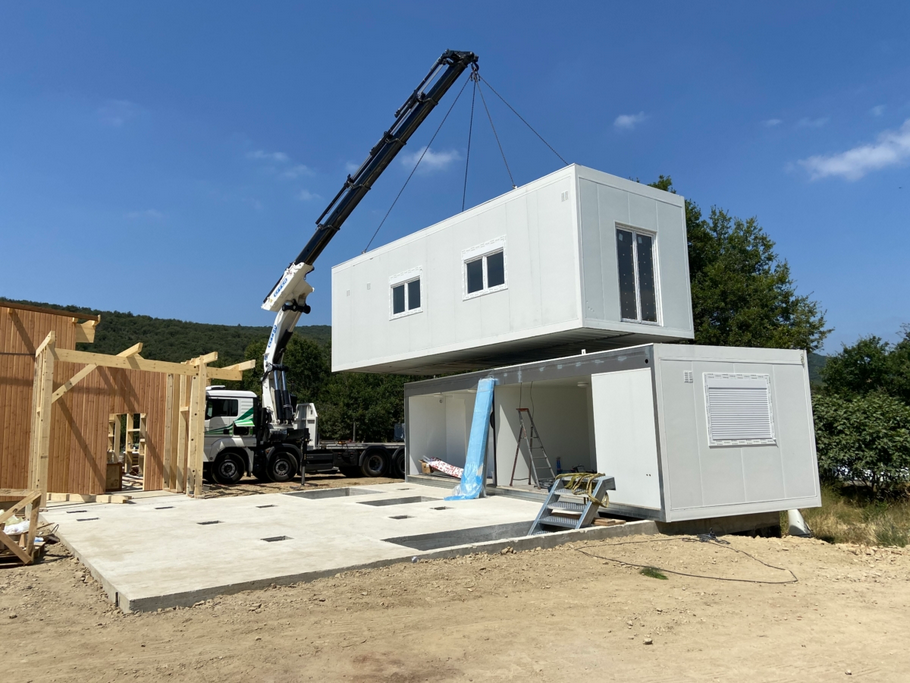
pixel 403 280
pixel 654 262
pixel 482 252
pixel 209 402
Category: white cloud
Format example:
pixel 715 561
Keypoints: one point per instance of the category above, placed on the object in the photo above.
pixel 432 161
pixel 261 155
pixel 770 123
pixel 296 171
pixel 877 110
pixel 306 196
pixel 350 167
pixel 117 112
pixel 891 149
pixel 628 121
pixel 146 213
pixel 806 122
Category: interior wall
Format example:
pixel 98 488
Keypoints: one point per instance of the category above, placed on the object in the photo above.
pixel 426 430
pixel 561 415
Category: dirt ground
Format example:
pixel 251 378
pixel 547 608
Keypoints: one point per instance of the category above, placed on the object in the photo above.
pixel 249 486
pixel 564 614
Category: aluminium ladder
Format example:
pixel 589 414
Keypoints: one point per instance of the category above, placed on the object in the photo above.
pixel 577 512
pixel 538 462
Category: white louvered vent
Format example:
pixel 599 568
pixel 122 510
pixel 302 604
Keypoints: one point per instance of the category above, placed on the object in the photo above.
pixel 739 409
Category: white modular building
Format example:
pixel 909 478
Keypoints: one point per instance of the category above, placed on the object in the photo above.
pixel 578 259
pixel 688 432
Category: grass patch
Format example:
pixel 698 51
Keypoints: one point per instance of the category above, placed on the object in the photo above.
pixel 850 515
pixel 652 573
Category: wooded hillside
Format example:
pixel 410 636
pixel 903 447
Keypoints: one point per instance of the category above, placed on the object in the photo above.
pixel 176 340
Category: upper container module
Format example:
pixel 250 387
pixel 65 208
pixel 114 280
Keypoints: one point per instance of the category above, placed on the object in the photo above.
pixel 578 259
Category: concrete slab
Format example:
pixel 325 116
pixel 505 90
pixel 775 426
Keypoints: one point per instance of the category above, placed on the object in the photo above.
pixel 174 551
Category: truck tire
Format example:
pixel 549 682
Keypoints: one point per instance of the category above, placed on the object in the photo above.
pixel 282 466
pixel 227 469
pixel 375 462
pixel 398 463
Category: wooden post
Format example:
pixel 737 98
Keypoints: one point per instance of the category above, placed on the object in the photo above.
pixel 168 465
pixel 182 432
pixel 197 429
pixel 42 389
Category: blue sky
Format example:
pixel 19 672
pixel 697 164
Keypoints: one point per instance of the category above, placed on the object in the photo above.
pixel 170 158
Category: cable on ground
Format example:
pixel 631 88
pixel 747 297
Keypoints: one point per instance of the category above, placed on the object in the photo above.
pixel 701 538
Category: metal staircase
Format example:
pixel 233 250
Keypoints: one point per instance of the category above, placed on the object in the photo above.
pixel 569 506
pixel 538 462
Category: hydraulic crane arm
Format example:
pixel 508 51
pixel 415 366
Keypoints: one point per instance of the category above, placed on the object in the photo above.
pixel 288 297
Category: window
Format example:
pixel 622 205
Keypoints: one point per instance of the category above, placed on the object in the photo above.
pixel 406 297
pixel 739 409
pixel 637 285
pixel 484 268
pixel 221 407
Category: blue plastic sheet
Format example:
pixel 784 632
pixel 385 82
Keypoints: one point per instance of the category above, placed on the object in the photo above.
pixel 474 477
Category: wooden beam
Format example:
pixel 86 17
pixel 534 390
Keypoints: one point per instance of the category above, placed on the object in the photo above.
pixel 51 338
pixel 43 436
pixel 85 332
pixel 27 500
pixel 232 372
pixel 89 369
pixel 13 493
pixel 49 311
pixel 23 556
pixel 202 360
pixel 167 465
pixel 132 363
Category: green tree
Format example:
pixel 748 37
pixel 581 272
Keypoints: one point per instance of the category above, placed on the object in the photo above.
pixel 864 439
pixel 307 363
pixel 742 292
pixel 870 365
pixel 372 402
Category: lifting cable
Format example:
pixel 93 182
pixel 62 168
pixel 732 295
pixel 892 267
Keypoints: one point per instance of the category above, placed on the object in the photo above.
pixel 413 170
pixel 522 119
pixel 475 76
pixel 496 135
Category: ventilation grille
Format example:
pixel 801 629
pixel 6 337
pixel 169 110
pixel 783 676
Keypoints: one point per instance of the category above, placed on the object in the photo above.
pixel 739 409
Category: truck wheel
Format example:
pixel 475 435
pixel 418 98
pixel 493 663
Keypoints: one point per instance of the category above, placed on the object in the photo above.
pixel 375 463
pixel 282 466
pixel 227 469
pixel 398 463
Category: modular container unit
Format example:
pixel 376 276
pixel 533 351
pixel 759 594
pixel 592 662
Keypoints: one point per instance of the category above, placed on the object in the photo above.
pixel 578 259
pixel 688 432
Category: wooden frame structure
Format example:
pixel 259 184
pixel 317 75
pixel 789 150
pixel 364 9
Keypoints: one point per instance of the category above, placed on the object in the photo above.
pixel 184 425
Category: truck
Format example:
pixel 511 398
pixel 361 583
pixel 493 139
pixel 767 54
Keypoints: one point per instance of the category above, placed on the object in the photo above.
pixel 276 438
pixel 233 445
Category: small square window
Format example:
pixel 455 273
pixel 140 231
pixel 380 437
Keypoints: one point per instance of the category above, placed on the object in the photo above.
pixel 484 272
pixel 405 295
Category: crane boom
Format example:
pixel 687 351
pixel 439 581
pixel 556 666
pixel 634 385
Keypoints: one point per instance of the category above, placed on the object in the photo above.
pixel 288 297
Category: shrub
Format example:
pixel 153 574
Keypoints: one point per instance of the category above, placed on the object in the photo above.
pixel 864 439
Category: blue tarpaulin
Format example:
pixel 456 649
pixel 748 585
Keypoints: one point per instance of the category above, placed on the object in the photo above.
pixel 474 477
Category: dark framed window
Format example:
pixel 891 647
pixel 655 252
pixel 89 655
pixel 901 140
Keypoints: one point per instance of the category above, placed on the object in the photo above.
pixel 487 272
pixel 406 297
pixel 637 284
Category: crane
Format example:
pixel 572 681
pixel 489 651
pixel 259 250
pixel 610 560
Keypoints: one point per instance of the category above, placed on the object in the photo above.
pixel 288 297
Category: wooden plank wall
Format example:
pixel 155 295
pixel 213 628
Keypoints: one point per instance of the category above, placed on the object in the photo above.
pixel 78 452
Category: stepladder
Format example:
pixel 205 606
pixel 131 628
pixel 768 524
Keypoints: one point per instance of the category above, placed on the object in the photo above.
pixel 540 471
